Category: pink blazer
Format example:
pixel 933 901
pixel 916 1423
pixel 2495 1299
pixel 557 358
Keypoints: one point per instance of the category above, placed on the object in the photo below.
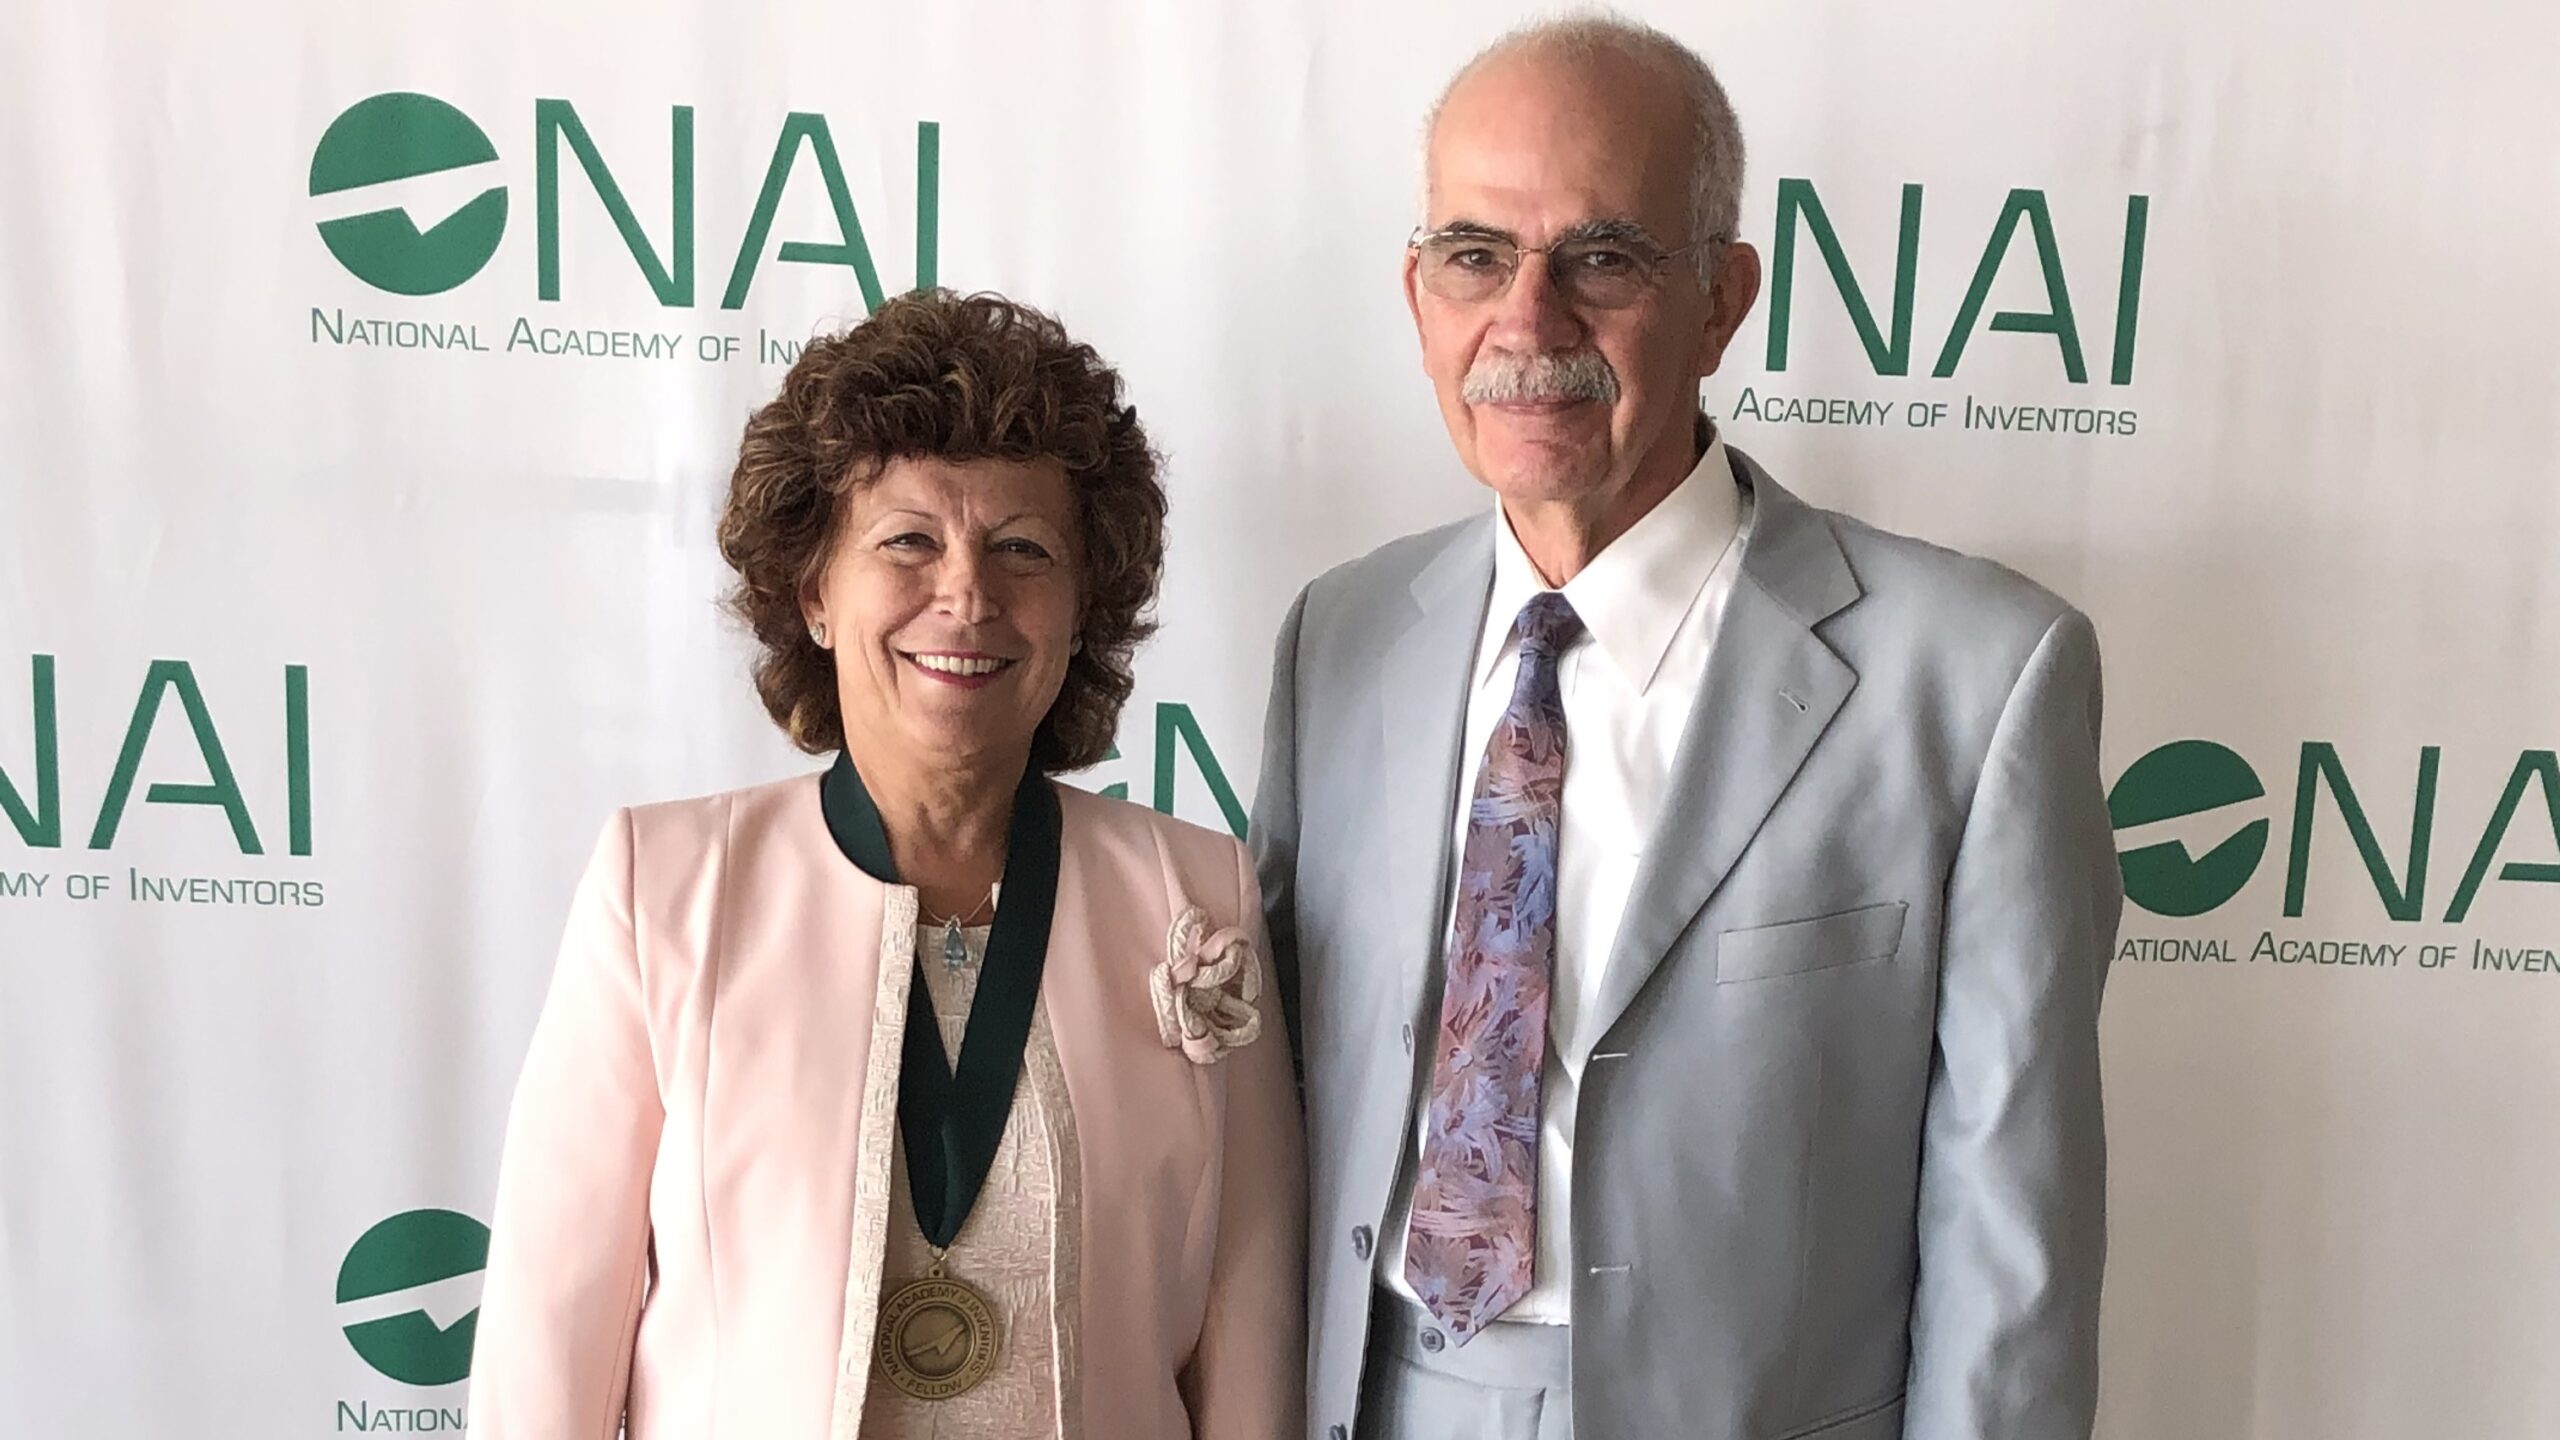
pixel 714 1076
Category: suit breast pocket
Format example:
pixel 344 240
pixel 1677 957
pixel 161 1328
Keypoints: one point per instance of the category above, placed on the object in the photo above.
pixel 1798 947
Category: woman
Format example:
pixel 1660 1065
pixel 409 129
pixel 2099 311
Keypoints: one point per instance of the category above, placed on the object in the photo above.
pixel 745 1193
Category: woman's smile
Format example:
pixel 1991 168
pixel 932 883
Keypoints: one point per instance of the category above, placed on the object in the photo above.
pixel 964 669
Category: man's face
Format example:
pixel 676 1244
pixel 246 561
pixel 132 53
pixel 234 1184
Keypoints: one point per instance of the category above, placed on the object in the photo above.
pixel 1547 396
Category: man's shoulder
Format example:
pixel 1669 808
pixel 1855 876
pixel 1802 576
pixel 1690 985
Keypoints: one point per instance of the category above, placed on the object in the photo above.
pixel 1350 615
pixel 1930 614
pixel 1901 580
pixel 1388 572
pixel 1909 573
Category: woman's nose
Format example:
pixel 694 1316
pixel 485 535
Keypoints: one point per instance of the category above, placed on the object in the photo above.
pixel 965 588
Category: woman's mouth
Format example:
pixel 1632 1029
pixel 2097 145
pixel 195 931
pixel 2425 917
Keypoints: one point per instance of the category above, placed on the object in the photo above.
pixel 965 669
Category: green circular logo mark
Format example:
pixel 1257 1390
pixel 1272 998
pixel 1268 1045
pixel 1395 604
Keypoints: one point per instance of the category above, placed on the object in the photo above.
pixel 400 136
pixel 405 1253
pixel 2186 777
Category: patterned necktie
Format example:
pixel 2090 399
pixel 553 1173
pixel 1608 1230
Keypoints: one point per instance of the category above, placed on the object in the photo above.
pixel 1474 1235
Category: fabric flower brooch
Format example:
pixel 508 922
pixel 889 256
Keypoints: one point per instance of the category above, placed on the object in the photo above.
pixel 1205 990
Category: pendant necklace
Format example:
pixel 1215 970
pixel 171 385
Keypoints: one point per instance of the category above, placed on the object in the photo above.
pixel 955 950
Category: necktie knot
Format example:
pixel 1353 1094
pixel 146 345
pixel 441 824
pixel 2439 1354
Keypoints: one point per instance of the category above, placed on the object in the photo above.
pixel 1547 627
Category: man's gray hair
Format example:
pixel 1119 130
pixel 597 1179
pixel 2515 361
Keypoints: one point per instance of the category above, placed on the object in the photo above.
pixel 1715 171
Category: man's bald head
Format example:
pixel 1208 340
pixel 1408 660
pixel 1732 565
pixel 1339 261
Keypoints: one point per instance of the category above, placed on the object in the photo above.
pixel 1609 61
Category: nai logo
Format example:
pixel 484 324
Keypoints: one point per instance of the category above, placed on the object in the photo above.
pixel 2176 791
pixel 411 198
pixel 381 142
pixel 2026 212
pixel 2188 777
pixel 409 1295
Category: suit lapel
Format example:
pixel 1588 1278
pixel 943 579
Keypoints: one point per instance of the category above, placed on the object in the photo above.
pixel 1771 689
pixel 1422 712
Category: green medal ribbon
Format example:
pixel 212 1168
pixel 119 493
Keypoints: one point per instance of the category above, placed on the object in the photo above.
pixel 951 1123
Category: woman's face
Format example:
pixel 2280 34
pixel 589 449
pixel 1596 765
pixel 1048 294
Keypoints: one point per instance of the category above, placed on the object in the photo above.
pixel 950 601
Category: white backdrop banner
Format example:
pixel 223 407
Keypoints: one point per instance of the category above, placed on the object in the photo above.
pixel 370 375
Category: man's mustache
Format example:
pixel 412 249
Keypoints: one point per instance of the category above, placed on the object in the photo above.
pixel 1507 377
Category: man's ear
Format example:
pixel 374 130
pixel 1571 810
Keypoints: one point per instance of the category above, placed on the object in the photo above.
pixel 1413 294
pixel 1731 289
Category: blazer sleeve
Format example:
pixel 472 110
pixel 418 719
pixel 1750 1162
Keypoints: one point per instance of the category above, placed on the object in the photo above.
pixel 569 1241
pixel 1247 1378
pixel 2012 1204
pixel 1274 830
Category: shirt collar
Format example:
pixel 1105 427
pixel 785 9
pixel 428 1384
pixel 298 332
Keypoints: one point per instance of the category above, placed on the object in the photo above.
pixel 1634 593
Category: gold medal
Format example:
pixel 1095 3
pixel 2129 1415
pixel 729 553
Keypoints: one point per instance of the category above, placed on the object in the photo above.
pixel 938 1336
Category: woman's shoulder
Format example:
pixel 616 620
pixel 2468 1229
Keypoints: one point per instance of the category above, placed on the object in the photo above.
pixel 699 824
pixel 1206 865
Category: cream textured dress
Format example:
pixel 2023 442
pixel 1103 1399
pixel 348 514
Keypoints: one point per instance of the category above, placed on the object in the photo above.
pixel 1017 1246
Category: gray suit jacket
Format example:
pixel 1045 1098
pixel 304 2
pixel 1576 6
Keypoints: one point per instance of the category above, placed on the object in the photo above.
pixel 1839 1163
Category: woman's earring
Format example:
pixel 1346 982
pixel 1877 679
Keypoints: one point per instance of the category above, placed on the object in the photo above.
pixel 1076 646
pixel 818 633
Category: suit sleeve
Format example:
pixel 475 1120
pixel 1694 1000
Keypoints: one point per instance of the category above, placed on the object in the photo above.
pixel 1274 831
pixel 569 1241
pixel 2012 1205
pixel 1247 1378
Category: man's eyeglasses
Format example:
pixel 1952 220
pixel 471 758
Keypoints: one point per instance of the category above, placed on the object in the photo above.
pixel 1468 265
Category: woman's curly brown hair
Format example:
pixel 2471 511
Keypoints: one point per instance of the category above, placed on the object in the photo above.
pixel 934 374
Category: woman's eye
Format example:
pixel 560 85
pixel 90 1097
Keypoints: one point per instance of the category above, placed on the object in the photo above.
pixel 1028 549
pixel 911 540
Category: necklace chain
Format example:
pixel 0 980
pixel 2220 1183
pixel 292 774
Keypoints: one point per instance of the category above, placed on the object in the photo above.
pixel 954 921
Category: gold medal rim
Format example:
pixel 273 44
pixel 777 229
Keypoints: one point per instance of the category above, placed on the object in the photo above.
pixel 975 1313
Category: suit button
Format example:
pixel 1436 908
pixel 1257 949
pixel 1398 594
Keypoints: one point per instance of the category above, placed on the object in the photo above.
pixel 1408 1039
pixel 1432 1341
pixel 1360 1242
pixel 1337 1433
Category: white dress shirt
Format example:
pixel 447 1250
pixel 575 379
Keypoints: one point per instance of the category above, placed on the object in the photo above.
pixel 1650 604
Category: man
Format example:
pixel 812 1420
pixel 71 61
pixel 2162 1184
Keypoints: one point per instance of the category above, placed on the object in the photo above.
pixel 1696 902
